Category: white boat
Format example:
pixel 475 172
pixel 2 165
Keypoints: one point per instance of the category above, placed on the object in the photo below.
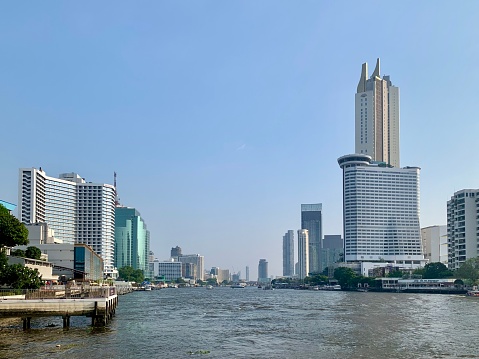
pixel 239 285
pixel 209 286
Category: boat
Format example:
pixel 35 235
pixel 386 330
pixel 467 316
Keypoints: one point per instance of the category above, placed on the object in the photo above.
pixel 238 285
pixel 472 293
pixel 209 286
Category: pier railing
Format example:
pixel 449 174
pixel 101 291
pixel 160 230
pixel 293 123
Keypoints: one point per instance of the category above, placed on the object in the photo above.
pixel 58 292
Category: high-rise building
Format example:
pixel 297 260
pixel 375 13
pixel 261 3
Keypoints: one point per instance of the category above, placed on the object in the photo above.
pixel 434 244
pixel 263 271
pixel 380 211
pixel 132 239
pixel 247 273
pixel 303 254
pixel 332 250
pixel 311 219
pixel 78 211
pixel 175 252
pixel 198 261
pixel 462 224
pixel 377 117
pixel 288 254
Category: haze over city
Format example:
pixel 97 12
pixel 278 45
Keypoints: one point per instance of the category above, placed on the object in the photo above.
pixel 220 119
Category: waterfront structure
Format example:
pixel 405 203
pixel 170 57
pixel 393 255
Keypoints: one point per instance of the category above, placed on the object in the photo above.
pixel 311 219
pixel 78 211
pixel 380 211
pixel 169 270
pixel 462 224
pixel 198 261
pixel 288 254
pixel 175 252
pixel 377 117
pixel 434 244
pixel 263 271
pixel 132 239
pixel 247 273
pixel 303 253
pixel 332 250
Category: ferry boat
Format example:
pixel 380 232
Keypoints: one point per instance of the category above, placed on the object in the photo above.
pixel 473 293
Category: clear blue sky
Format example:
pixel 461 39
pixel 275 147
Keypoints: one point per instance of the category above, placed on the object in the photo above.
pixel 222 117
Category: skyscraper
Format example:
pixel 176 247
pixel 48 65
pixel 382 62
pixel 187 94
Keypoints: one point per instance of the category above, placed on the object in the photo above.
pixel 377 117
pixel 311 219
pixel 198 261
pixel 380 211
pixel 247 273
pixel 132 239
pixel 303 253
pixel 263 271
pixel 332 250
pixel 288 253
pixel 175 252
pixel 78 211
pixel 462 224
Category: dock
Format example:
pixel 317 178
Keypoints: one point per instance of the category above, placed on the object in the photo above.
pixel 99 303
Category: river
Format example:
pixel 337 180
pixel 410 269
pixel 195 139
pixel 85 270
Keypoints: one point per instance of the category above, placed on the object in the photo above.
pixel 253 323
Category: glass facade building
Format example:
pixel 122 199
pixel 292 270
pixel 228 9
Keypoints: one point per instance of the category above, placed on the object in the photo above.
pixel 311 219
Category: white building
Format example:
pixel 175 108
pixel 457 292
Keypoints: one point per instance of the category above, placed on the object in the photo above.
pixel 303 253
pixel 434 244
pixel 462 224
pixel 380 212
pixel 78 211
pixel 377 117
pixel 170 270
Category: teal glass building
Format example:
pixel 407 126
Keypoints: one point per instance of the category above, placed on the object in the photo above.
pixel 132 239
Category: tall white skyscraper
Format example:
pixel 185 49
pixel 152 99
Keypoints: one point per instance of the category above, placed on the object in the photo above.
pixel 78 212
pixel 377 117
pixel 462 224
pixel 303 253
pixel 288 254
pixel 380 211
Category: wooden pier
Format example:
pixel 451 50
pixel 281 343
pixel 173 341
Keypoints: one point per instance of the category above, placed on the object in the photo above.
pixel 99 303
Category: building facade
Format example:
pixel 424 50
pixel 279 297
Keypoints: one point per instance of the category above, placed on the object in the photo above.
pixel 380 211
pixel 332 250
pixel 311 219
pixel 175 252
pixel 377 117
pixel 168 270
pixel 247 273
pixel 78 211
pixel 434 244
pixel 303 254
pixel 132 239
pixel 263 271
pixel 288 254
pixel 198 261
pixel 462 227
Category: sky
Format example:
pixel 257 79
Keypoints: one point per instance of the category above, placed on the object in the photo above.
pixel 222 117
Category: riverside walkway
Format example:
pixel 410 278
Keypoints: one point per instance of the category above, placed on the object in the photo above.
pixel 99 303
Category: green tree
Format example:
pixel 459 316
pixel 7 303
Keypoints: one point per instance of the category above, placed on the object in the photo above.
pixel 212 281
pixel 33 252
pixel 12 231
pixel 19 277
pixel 130 274
pixel 436 270
pixel 395 274
pixel 469 270
pixel 17 253
pixel 345 277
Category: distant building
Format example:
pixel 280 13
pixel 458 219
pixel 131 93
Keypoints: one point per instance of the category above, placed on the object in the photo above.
pixel 462 224
pixel 380 212
pixel 176 252
pixel 332 250
pixel 247 273
pixel 188 270
pixel 303 253
pixel 434 243
pixel 223 275
pixel 198 261
pixel 263 271
pixel 132 239
pixel 311 219
pixel 288 253
pixel 169 270
pixel 78 211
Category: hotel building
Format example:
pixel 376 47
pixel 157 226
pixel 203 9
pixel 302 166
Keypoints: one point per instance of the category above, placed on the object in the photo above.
pixel 288 254
pixel 303 253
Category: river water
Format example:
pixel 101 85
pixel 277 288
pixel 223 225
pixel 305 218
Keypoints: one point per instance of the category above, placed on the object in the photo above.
pixel 253 323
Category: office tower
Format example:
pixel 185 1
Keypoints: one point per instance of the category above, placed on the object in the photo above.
pixel 434 244
pixel 332 250
pixel 377 117
pixel 77 211
pixel 198 261
pixel 311 219
pixel 247 273
pixel 263 271
pixel 288 254
pixel 175 252
pixel 462 224
pixel 303 253
pixel 132 239
pixel 380 211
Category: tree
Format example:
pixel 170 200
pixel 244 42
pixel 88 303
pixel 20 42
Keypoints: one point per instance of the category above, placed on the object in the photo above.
pixel 12 231
pixel 469 270
pixel 130 274
pixel 212 281
pixel 17 276
pixel 33 252
pixel 436 270
pixel 18 253
pixel 345 276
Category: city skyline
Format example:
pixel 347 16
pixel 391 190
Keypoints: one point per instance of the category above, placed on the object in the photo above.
pixel 206 111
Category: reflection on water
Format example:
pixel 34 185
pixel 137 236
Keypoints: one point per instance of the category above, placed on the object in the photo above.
pixel 252 323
